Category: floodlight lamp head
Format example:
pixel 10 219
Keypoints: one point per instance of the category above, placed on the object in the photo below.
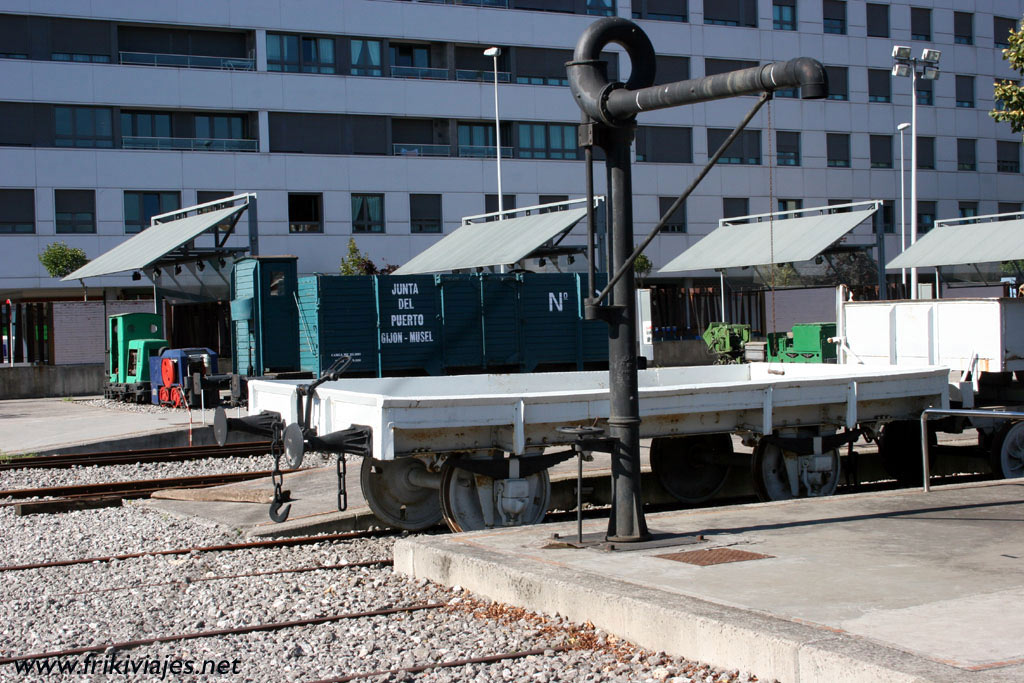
pixel 200 265
pixel 136 276
pixel 900 52
pixel 931 56
pixel 177 269
pixel 156 272
pixel 931 73
pixel 901 70
pixel 902 126
pixel 492 52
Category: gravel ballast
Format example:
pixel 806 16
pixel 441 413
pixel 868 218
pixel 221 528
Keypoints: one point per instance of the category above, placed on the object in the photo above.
pixel 97 604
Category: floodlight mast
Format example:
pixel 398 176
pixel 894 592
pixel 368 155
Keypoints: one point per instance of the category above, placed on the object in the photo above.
pixel 610 111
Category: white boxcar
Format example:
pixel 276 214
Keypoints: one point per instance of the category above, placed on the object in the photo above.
pixel 433 419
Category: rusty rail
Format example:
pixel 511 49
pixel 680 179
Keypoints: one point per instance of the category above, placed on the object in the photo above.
pixel 103 458
pixel 136 485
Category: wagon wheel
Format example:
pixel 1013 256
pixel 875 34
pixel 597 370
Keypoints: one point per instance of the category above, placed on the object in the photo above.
pixel 1008 451
pixel 772 477
pixel 689 467
pixel 900 447
pixel 394 499
pixel 464 495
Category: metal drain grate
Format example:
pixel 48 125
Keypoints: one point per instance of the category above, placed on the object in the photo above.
pixel 704 558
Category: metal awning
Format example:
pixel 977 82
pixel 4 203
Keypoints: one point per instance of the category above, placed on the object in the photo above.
pixel 955 243
pixel 154 243
pixel 492 244
pixel 782 240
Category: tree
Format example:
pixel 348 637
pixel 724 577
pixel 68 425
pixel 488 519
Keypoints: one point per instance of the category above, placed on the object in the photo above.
pixel 642 266
pixel 1009 96
pixel 61 260
pixel 358 263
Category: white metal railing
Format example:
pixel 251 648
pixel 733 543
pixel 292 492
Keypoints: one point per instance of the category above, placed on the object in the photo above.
pixel 987 218
pixel 215 204
pixel 526 210
pixel 481 75
pixel 188 61
pixel 414 149
pixel 484 151
pixel 833 208
pixel 189 144
pixel 421 72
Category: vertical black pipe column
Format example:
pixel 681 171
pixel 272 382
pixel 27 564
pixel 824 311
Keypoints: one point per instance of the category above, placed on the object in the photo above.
pixel 626 523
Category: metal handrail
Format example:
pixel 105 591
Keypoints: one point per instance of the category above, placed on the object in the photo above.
pixel 414 149
pixel 189 144
pixel 421 72
pixel 481 75
pixel 188 61
pixel 484 151
pixel 961 412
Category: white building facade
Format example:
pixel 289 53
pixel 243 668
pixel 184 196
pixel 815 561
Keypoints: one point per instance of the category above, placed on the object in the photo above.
pixel 374 119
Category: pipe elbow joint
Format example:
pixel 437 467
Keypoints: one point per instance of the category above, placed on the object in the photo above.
pixel 812 77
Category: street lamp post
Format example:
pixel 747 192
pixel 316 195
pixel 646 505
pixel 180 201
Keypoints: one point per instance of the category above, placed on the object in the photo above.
pixel 903 204
pixel 906 66
pixel 495 52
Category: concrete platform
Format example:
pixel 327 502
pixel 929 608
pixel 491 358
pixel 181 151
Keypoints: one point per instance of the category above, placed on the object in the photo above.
pixel 894 586
pixel 50 425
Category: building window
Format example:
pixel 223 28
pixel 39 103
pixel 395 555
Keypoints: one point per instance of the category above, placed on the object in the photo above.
pixel 837 83
pixel 552 199
pixel 884 215
pixel 305 212
pixel 1001 27
pixel 308 54
pixel 677 221
pixel 924 92
pixel 966 156
pixel 745 149
pixel 508 202
pixel 546 141
pixel 834 16
pixel 878 20
pixel 140 207
pixel 144 125
pixel 925 153
pixel 83 127
pixel 664 144
pixel 477 140
pixel 968 209
pixel 601 8
pixel 787 148
pixel 963 28
pixel 365 57
pixel 79 57
pixel 424 213
pixel 17 211
pixel 790 204
pixel 838 145
pixel 881 151
pixel 784 15
pixel 1009 207
pixel 965 91
pixel 221 126
pixel 925 217
pixel 920 23
pixel 282 52
pixel 736 13
pixel 75 211
pixel 367 213
pixel 661 10
pixel 879 85
pixel 318 55
pixel 13 55
pixel 735 206
pixel 721 66
pixel 1007 156
pixel 839 202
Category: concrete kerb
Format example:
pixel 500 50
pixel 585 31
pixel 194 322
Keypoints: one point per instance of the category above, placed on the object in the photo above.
pixel 661 621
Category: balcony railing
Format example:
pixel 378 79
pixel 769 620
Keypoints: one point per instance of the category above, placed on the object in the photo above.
pixel 475 3
pixel 413 149
pixel 189 144
pixel 188 61
pixel 427 73
pixel 483 75
pixel 483 151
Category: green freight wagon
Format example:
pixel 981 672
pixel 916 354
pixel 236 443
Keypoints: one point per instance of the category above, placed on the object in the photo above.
pixel 264 315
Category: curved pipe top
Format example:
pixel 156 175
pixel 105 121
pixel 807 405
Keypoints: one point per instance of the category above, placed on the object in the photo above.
pixel 588 73
pixel 616 104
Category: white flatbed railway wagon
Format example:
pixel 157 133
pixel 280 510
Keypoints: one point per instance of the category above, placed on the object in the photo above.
pixel 442 433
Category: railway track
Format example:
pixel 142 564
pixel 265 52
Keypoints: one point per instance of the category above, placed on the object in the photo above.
pixel 103 458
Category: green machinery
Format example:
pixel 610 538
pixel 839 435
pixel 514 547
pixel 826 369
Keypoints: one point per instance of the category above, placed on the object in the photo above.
pixel 806 343
pixel 134 339
pixel 727 340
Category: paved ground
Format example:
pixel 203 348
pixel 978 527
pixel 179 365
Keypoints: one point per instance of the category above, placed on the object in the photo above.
pixel 887 586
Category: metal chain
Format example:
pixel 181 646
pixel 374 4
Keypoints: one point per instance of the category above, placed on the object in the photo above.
pixel 276 450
